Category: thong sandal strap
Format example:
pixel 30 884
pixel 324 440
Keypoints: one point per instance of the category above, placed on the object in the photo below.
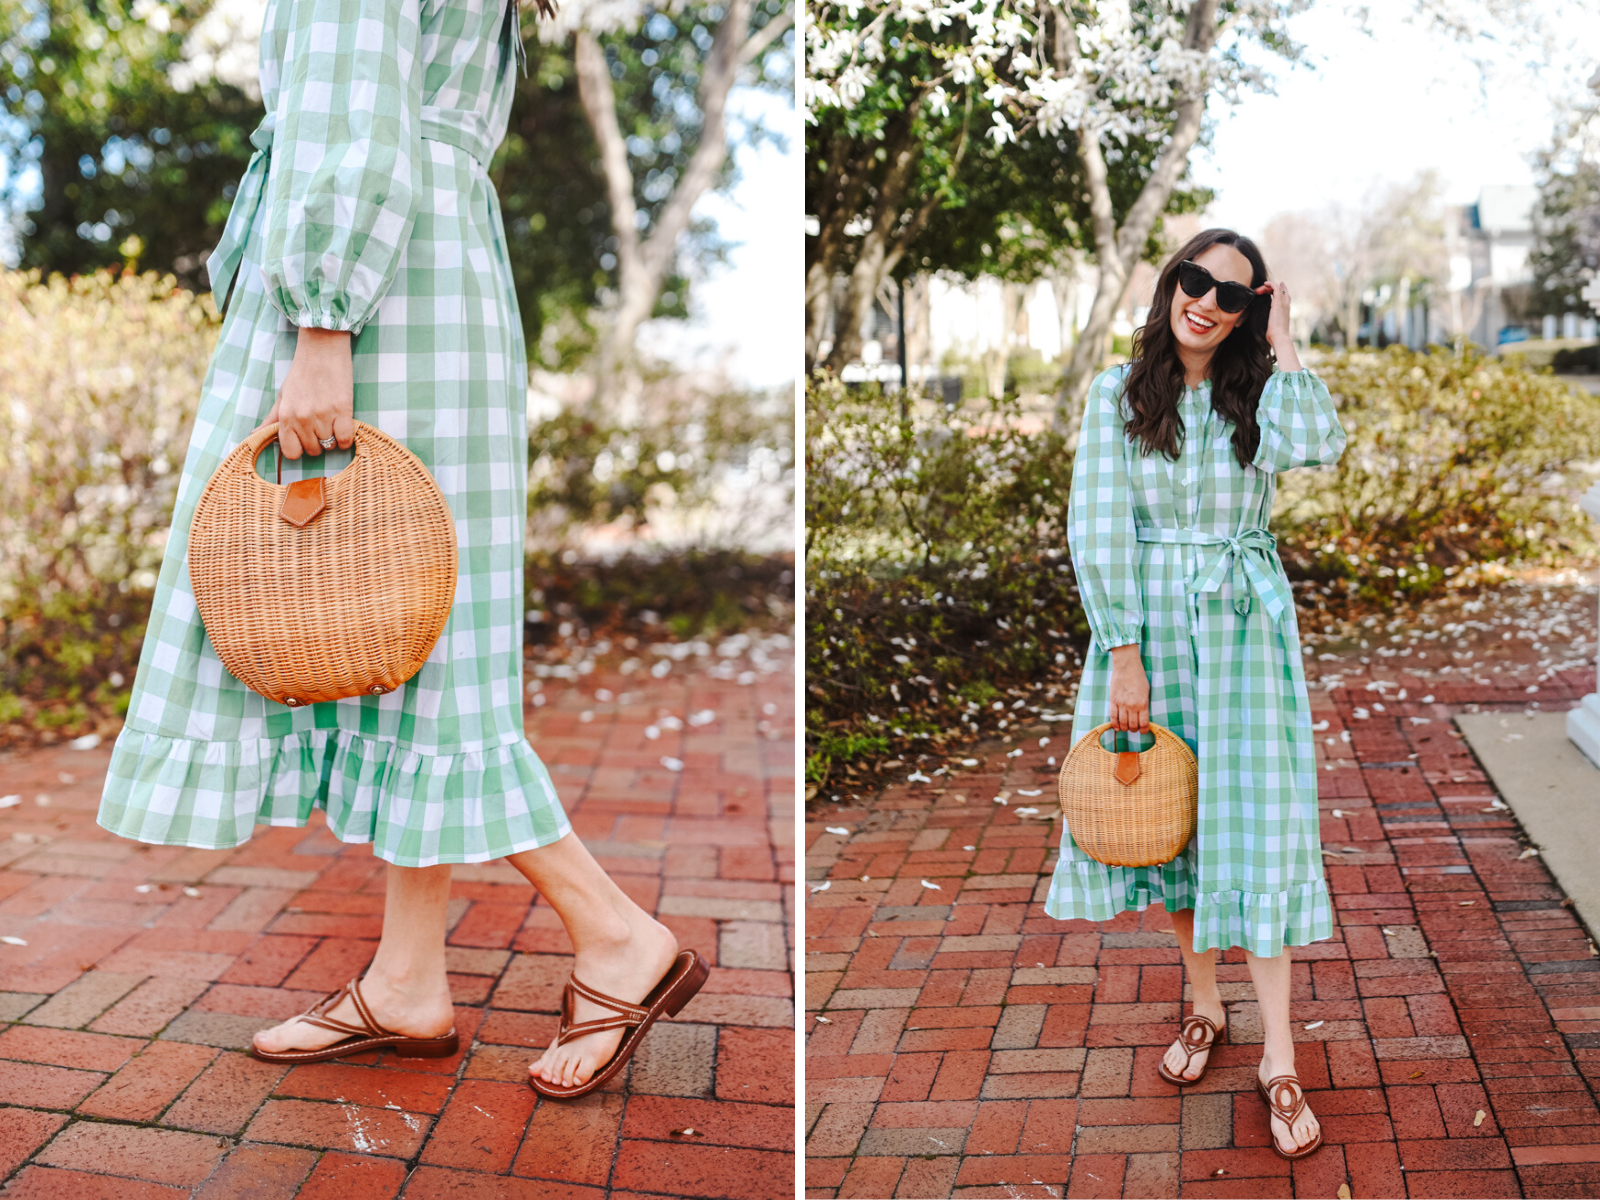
pixel 1190 1030
pixel 318 1014
pixel 627 1014
pixel 1285 1112
pixel 360 1001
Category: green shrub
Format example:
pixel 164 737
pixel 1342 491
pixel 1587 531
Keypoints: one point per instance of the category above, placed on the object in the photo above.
pixel 936 569
pixel 1456 465
pixel 99 379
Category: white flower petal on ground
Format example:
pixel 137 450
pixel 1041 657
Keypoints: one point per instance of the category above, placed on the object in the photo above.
pixel 918 777
pixel 670 763
pixel 191 892
pixel 10 801
pixel 90 740
pixel 933 886
pixel 1315 1024
pixel 13 941
pixel 1030 791
pixel 839 829
pixel 822 887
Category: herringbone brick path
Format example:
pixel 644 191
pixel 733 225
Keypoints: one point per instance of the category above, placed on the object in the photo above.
pixel 963 1043
pixel 146 969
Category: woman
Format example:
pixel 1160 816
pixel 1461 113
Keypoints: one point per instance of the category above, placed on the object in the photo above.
pixel 1194 628
pixel 370 280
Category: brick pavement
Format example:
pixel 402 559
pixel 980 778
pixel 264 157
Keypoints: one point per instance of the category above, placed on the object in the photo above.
pixel 962 1043
pixel 146 970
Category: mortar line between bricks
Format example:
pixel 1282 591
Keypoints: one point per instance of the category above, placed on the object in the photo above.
pixel 903 813
pixel 1520 836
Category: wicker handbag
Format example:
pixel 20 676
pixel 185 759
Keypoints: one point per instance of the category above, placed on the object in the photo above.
pixel 1130 809
pixel 330 587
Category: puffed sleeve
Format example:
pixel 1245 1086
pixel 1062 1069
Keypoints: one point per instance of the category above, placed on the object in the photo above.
pixel 1299 427
pixel 1100 527
pixel 346 159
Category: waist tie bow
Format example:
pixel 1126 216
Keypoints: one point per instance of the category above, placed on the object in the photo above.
pixel 224 261
pixel 1250 556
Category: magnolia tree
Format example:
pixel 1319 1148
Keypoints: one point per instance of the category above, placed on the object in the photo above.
pixel 734 35
pixel 1110 72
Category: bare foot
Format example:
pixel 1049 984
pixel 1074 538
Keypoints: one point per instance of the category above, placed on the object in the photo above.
pixel 419 1011
pixel 1177 1054
pixel 1305 1127
pixel 627 970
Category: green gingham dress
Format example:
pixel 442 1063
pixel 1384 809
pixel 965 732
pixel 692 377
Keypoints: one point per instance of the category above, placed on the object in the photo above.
pixel 367 207
pixel 1175 556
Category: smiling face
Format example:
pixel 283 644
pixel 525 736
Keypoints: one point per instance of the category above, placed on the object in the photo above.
pixel 1198 324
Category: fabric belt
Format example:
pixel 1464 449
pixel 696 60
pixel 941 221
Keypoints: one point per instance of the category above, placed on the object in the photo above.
pixel 465 129
pixel 1251 554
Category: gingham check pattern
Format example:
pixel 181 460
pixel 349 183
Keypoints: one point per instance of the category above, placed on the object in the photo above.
pixel 376 215
pixel 1163 559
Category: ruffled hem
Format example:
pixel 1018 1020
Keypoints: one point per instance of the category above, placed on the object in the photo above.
pixel 1261 922
pixel 417 810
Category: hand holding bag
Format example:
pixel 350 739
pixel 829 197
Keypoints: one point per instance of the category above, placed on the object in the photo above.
pixel 331 587
pixel 1130 809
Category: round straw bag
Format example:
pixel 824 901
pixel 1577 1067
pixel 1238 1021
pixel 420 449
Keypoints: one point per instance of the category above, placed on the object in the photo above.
pixel 1130 809
pixel 330 587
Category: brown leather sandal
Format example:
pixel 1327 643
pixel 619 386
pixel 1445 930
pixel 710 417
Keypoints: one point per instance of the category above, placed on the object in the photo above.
pixel 686 976
pixel 1197 1033
pixel 368 1036
pixel 1272 1093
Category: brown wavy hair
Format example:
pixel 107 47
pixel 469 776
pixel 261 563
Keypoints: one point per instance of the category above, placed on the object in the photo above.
pixel 1240 366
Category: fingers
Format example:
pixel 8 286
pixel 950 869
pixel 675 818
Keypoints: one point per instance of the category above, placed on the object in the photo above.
pixel 344 428
pixel 289 443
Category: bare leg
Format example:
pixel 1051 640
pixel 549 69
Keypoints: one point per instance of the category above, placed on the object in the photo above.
pixel 405 987
pixel 1271 977
pixel 1201 967
pixel 620 949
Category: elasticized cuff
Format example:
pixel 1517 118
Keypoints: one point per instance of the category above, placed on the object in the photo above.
pixel 325 320
pixel 1119 635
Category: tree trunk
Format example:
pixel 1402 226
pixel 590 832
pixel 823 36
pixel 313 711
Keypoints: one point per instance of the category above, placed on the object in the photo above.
pixel 838 199
pixel 1117 251
pixel 642 264
pixel 903 153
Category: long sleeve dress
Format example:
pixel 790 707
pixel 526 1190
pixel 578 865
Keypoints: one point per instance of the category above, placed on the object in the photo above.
pixel 1175 556
pixel 368 208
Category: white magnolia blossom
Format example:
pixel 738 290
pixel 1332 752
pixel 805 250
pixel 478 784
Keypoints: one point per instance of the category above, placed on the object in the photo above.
pixel 600 17
pixel 1126 71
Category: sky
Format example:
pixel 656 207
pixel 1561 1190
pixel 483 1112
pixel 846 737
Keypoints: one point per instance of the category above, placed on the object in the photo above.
pixel 1374 109
pixel 747 314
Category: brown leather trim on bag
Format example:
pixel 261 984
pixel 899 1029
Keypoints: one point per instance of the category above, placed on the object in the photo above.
pixel 303 502
pixel 1127 767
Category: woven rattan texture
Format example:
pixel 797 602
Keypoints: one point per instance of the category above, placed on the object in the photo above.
pixel 350 605
pixel 1140 824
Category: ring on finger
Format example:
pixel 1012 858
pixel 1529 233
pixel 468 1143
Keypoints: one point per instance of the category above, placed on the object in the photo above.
pixel 327 443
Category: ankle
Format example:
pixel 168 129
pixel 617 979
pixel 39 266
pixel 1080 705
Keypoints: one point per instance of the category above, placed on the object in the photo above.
pixel 1205 1004
pixel 407 985
pixel 1276 1060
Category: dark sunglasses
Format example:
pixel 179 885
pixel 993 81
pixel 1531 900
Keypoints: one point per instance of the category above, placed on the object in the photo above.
pixel 1196 281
